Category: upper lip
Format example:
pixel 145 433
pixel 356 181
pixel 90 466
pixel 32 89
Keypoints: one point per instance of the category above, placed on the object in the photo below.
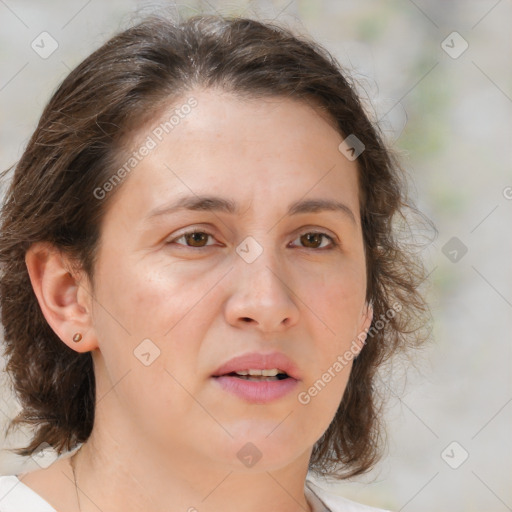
pixel 259 361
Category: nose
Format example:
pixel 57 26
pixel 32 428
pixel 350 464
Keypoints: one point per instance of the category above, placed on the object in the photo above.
pixel 262 296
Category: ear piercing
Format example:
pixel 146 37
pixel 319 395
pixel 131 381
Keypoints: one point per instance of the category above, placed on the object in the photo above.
pixel 77 337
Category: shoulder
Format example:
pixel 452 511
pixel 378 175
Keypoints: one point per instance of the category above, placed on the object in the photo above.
pixel 334 502
pixel 15 496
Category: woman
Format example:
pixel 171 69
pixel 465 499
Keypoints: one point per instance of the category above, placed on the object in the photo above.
pixel 201 276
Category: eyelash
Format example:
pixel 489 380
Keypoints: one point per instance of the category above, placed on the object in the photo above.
pixel 334 244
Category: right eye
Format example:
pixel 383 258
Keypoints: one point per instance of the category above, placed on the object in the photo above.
pixel 195 237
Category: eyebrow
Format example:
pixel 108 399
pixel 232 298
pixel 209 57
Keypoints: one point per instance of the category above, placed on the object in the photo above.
pixel 220 204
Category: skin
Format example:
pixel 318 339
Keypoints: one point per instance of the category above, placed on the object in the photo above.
pixel 165 433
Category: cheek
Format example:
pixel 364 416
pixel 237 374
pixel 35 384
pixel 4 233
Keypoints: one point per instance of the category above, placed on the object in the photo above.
pixel 336 298
pixel 320 398
pixel 147 328
pixel 175 310
pixel 337 302
pixel 170 303
pixel 150 299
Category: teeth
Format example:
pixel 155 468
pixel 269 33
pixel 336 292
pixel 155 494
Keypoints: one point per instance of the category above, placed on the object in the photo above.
pixel 265 373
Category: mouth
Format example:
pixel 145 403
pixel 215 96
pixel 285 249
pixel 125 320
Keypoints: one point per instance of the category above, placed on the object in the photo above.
pixel 260 375
pixel 256 389
pixel 260 367
pixel 258 378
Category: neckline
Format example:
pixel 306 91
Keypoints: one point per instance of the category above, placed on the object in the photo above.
pixel 312 497
pixel 40 501
pixel 317 504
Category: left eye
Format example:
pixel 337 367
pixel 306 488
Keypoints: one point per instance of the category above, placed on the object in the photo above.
pixel 313 240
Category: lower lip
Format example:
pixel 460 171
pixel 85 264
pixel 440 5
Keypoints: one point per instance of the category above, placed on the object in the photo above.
pixel 257 392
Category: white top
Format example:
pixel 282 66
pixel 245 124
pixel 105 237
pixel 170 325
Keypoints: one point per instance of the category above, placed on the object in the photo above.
pixel 15 496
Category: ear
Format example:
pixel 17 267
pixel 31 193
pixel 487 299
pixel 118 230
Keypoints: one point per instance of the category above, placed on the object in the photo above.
pixel 64 295
pixel 364 326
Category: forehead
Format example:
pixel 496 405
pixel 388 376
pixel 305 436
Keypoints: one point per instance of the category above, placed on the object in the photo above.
pixel 266 148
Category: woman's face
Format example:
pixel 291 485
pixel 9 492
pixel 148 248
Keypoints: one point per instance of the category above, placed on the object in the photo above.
pixel 171 308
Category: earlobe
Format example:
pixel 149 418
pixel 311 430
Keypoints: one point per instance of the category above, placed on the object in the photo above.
pixel 56 289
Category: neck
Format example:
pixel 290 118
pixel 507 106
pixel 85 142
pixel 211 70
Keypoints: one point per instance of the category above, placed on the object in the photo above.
pixel 117 478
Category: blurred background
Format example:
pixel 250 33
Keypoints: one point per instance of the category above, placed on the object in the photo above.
pixel 437 77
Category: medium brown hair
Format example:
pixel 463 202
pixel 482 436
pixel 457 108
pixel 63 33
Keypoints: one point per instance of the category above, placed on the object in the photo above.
pixel 79 142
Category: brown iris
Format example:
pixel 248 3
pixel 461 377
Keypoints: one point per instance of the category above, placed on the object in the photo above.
pixel 197 236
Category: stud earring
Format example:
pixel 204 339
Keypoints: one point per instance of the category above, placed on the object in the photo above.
pixel 77 337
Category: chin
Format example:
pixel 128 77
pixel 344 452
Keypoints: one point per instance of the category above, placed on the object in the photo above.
pixel 261 448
